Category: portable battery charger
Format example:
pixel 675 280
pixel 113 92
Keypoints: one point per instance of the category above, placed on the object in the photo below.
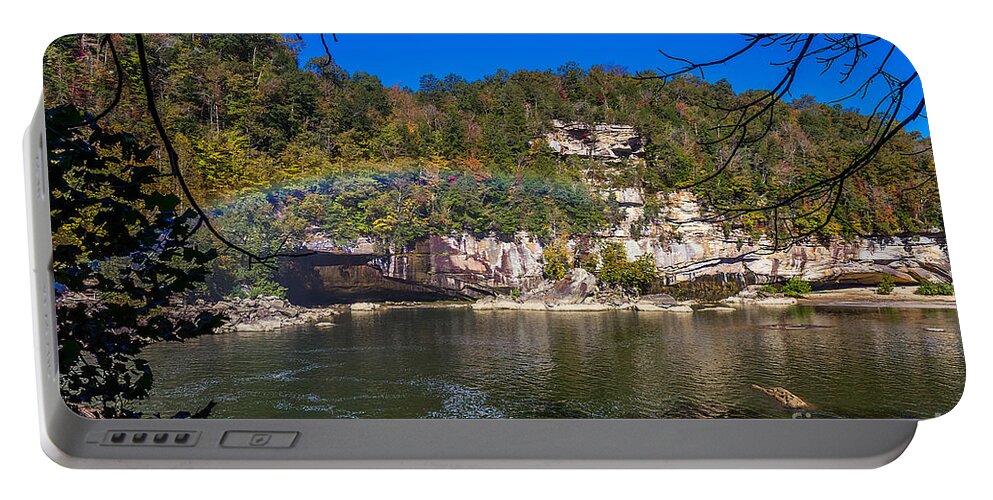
pixel 305 250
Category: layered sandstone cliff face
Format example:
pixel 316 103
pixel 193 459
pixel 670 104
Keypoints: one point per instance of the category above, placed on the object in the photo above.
pixel 603 141
pixel 684 249
pixel 689 248
pixel 467 266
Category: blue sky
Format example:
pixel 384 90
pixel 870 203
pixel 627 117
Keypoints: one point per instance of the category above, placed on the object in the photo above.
pixel 400 59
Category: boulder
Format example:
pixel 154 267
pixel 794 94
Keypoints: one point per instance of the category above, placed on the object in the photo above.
pixel 572 289
pixel 259 326
pixel 758 300
pixel 504 303
pixel 583 307
pixel 658 299
pixel 629 197
pixel 532 305
pixel 717 309
pixel 648 307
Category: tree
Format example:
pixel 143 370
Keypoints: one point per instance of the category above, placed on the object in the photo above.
pixel 556 257
pixel 120 241
pixel 615 269
pixel 134 257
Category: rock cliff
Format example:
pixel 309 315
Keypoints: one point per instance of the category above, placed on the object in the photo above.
pixel 602 141
pixel 465 266
pixel 688 248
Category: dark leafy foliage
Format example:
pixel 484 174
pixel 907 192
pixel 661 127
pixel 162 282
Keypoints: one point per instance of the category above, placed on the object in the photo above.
pixel 886 286
pixel 118 240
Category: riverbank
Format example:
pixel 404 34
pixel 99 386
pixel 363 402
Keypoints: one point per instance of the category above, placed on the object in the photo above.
pixel 646 303
pixel 268 314
pixel 901 296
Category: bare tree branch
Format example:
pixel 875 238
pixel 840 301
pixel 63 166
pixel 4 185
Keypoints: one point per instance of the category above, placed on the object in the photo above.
pixel 750 120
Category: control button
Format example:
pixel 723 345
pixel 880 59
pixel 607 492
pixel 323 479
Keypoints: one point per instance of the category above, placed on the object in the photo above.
pixel 251 439
pixel 259 439
pixel 141 438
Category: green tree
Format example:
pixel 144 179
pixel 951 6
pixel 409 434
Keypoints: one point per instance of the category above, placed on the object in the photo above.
pixel 616 270
pixel 252 223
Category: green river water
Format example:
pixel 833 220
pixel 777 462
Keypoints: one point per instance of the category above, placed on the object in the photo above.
pixel 460 363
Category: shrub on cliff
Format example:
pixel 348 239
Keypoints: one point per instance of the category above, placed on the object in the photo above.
pixel 794 287
pixel 556 257
pixel 616 270
pixel 262 287
pixel 935 288
pixel 613 260
pixel 640 273
pixel 886 286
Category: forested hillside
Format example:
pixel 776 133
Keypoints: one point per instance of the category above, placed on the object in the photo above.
pixel 277 145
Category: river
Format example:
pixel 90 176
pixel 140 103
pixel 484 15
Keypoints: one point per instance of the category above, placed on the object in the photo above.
pixel 460 363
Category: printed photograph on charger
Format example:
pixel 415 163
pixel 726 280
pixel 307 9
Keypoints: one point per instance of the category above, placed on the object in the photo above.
pixel 496 226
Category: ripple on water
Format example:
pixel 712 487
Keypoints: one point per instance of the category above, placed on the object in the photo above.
pixel 282 375
pixel 458 401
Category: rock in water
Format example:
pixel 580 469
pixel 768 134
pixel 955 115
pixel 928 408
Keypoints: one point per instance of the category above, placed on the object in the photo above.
pixel 364 306
pixel 268 313
pixel 785 397
pixel 658 299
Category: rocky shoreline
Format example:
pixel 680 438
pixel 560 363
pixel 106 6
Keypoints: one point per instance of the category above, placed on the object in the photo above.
pixel 901 296
pixel 267 314
pixel 260 314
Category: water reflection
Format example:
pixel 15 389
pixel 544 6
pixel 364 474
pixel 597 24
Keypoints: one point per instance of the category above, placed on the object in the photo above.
pixel 456 363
